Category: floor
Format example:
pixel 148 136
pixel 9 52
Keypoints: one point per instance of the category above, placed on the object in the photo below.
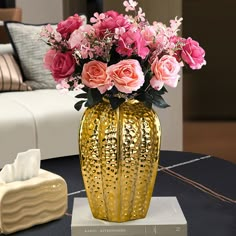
pixel 211 137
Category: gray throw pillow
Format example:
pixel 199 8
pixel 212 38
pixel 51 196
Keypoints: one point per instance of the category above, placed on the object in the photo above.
pixel 29 51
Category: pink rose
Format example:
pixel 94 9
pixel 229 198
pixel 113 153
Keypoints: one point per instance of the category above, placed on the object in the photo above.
pixel 127 75
pixel 66 27
pixel 193 54
pixel 165 71
pixel 94 76
pixel 61 65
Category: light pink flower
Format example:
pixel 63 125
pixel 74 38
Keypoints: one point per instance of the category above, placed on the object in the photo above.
pixel 46 31
pixel 78 37
pixel 127 75
pixel 141 14
pixel 165 71
pixel 130 5
pixel 97 17
pixel 193 54
pixel 61 65
pixel 66 27
pixel 161 41
pixel 52 35
pixel 94 76
pixel 149 34
pixel 175 24
pixel 57 37
pixel 63 86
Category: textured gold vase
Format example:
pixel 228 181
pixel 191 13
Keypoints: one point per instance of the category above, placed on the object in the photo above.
pixel 119 152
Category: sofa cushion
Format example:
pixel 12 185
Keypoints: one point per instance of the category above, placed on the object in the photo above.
pixel 29 51
pixel 6 48
pixel 10 75
pixel 56 120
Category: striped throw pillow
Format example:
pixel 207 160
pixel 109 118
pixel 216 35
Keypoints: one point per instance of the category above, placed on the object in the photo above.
pixel 29 52
pixel 10 75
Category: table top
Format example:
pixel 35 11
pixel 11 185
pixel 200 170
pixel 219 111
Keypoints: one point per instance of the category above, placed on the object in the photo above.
pixel 205 187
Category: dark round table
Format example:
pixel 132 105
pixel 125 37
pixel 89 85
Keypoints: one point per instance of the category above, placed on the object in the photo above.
pixel 205 188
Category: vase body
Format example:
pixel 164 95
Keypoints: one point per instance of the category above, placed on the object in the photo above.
pixel 119 153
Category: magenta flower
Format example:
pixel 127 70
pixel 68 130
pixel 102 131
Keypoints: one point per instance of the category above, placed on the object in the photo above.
pixel 132 42
pixel 110 22
pixel 66 27
pixel 61 65
pixel 193 54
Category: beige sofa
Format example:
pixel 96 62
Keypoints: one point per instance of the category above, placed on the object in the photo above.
pixel 41 116
pixel 44 119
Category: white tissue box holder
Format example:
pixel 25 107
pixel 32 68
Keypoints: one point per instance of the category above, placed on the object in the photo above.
pixel 38 200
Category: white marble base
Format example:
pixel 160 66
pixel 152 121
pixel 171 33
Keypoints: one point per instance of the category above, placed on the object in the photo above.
pixel 164 218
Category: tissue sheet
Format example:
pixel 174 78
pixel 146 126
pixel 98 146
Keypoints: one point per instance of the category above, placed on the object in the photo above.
pixel 25 166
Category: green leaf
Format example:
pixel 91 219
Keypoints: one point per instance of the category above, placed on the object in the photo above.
pixel 155 97
pixel 94 97
pixel 85 89
pixel 79 104
pixel 160 102
pixel 148 104
pixel 82 95
pixel 146 99
pixel 162 91
pixel 116 102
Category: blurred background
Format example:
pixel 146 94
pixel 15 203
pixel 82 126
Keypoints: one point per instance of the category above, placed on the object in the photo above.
pixel 208 95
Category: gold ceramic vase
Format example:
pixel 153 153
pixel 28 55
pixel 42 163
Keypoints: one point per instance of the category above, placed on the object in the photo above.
pixel 119 152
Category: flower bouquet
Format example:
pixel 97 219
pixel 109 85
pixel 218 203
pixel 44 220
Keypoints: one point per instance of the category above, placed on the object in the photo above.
pixel 119 57
pixel 122 63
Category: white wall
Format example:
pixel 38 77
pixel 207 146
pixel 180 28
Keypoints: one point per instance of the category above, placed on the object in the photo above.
pixel 41 11
pixel 171 118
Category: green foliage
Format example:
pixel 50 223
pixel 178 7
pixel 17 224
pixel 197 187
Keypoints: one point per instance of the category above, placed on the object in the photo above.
pixel 78 105
pixel 94 97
